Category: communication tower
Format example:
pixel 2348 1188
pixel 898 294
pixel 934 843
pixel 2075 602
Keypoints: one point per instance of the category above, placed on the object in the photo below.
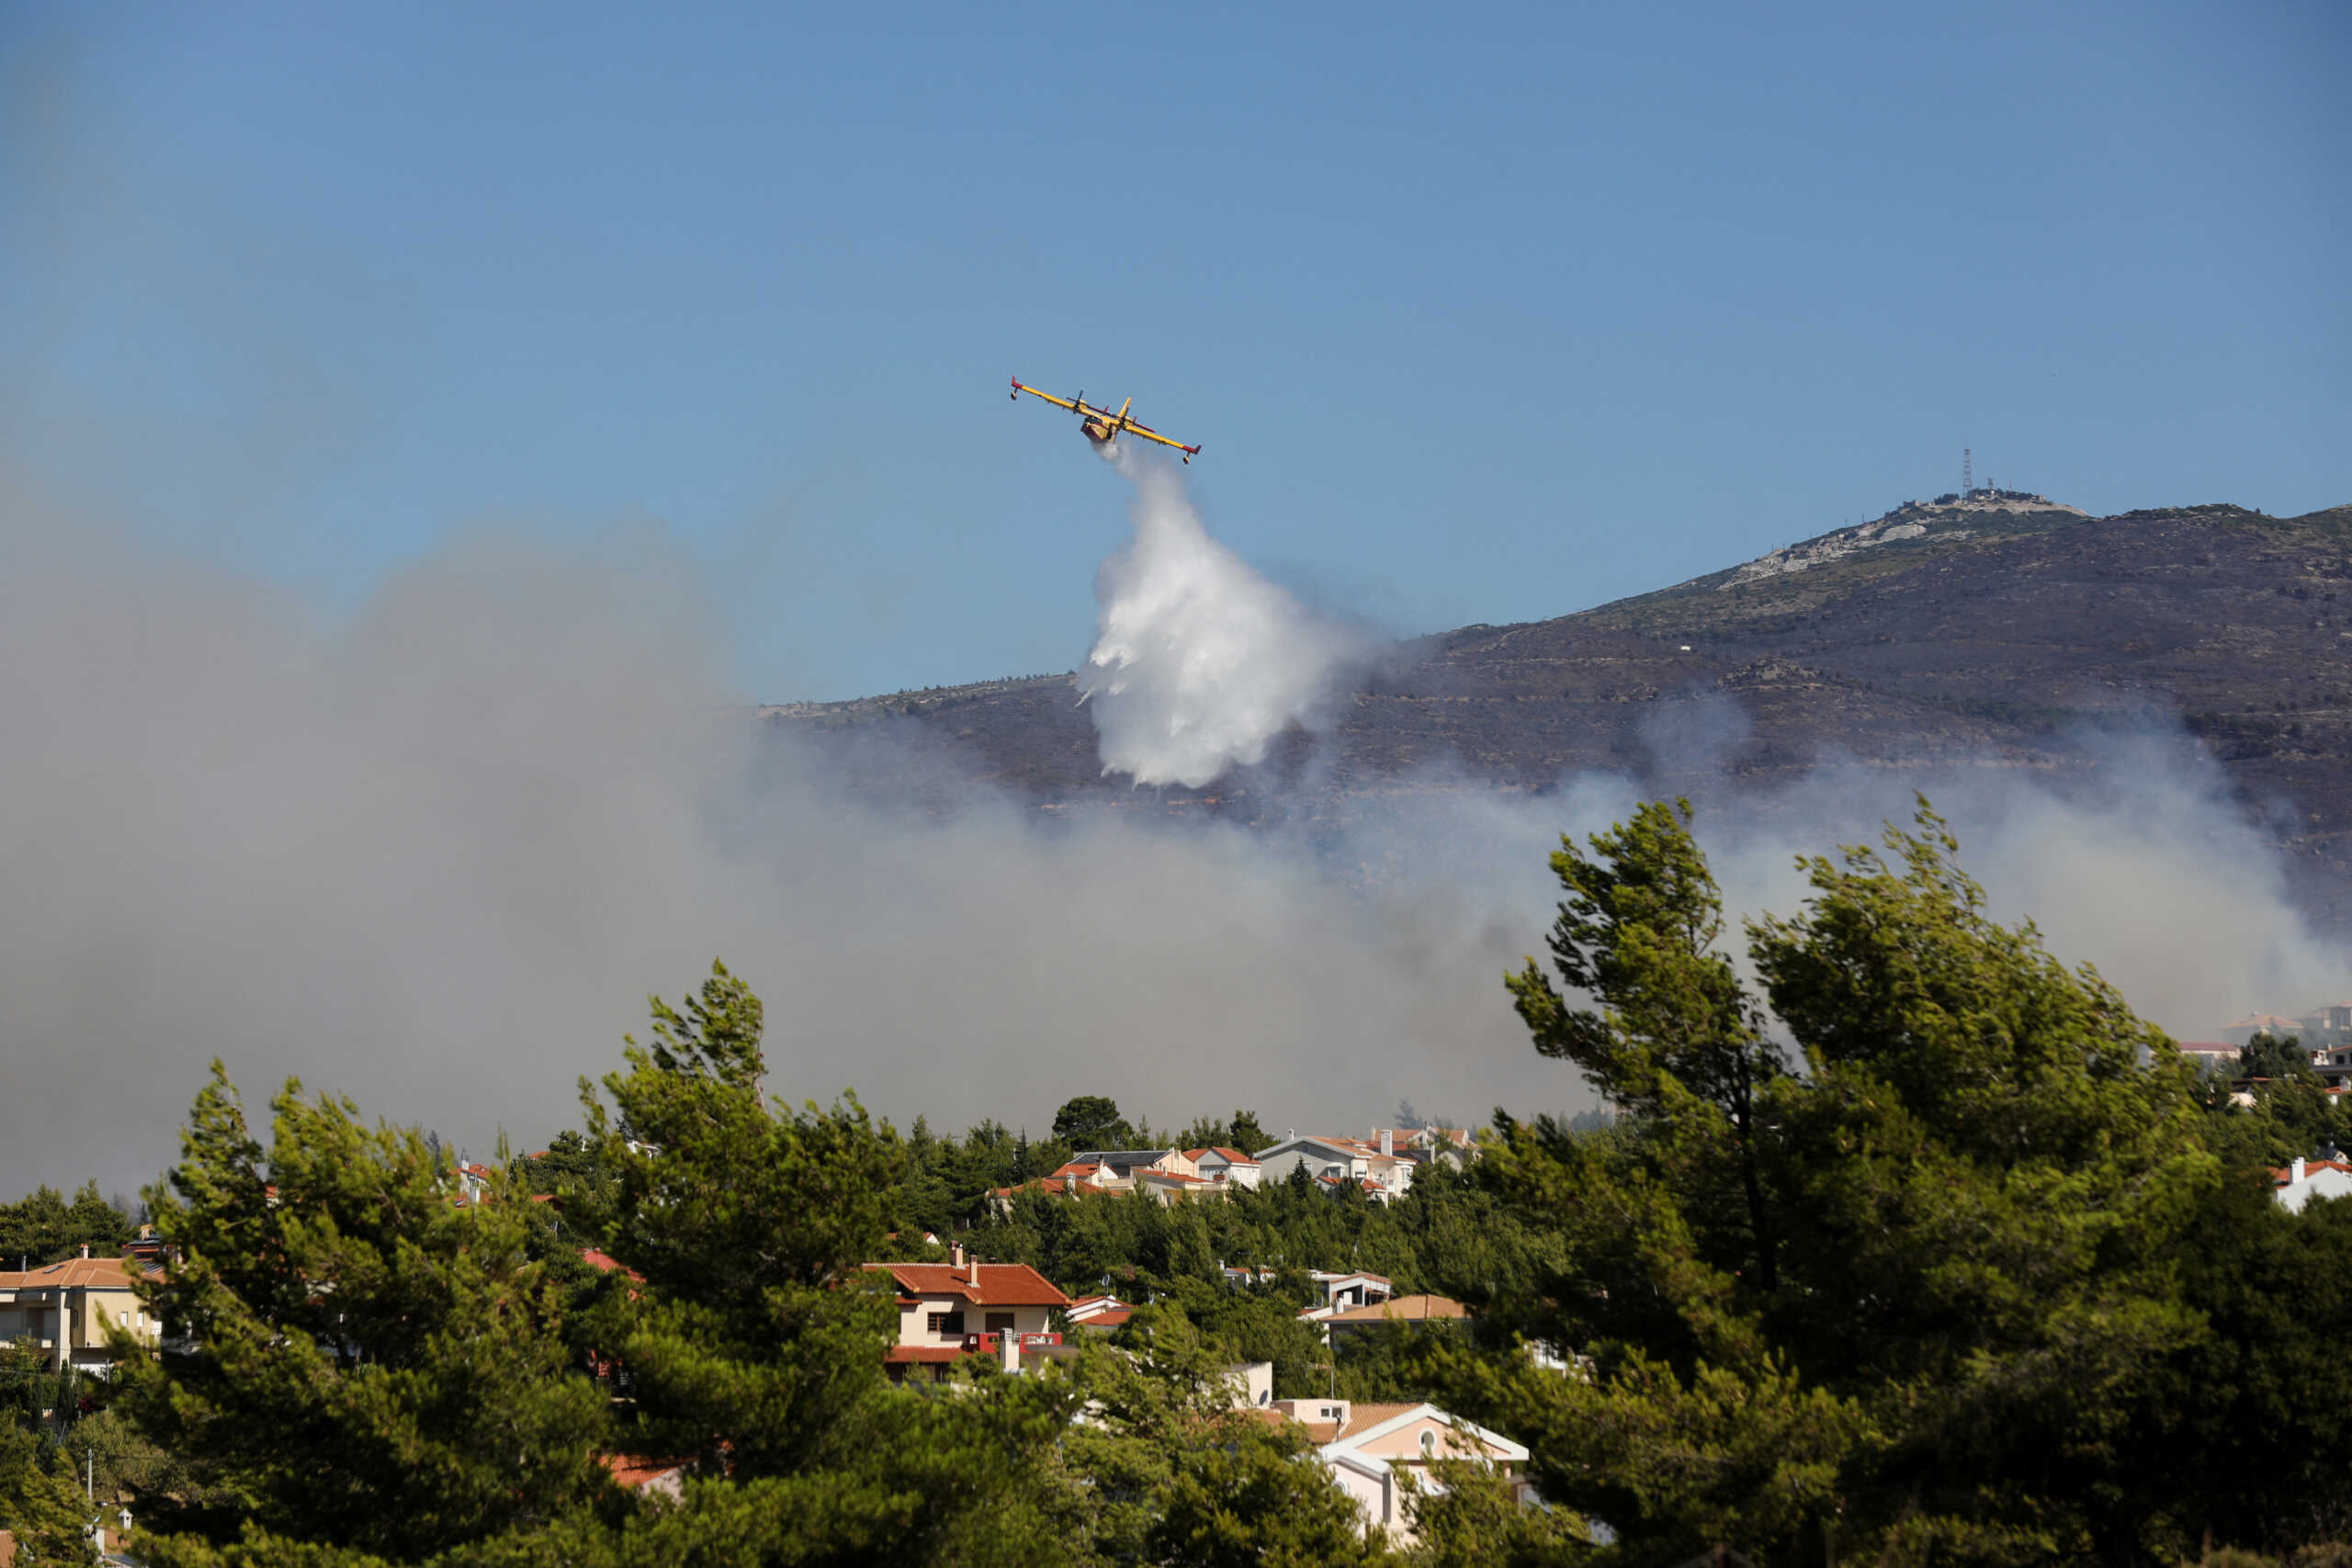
pixel 1967 473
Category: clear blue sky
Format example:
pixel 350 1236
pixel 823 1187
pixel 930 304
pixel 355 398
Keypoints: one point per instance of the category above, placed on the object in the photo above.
pixel 1482 312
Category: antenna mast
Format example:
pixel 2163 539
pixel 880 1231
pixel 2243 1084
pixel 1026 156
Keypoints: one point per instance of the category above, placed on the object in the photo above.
pixel 1967 473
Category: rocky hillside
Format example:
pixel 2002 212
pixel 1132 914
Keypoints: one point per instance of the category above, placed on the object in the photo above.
pixel 2005 631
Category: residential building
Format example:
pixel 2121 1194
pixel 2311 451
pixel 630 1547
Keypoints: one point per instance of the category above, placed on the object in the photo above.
pixel 1102 1313
pixel 665 1477
pixel 1333 1291
pixel 1057 1185
pixel 2239 1031
pixel 1376 1166
pixel 1118 1168
pixel 1169 1175
pixel 948 1311
pixel 1177 1187
pixel 1251 1385
pixel 1416 1310
pixel 1453 1145
pixel 1172 1175
pixel 65 1309
pixel 1223 1165
pixel 2210 1055
pixel 2306 1179
pixel 1371 1449
pixel 2327 1026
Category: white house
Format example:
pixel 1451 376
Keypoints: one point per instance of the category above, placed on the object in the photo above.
pixel 947 1310
pixel 1371 1449
pixel 2307 1179
pixel 1386 1173
pixel 2210 1055
pixel 1333 1291
pixel 1223 1165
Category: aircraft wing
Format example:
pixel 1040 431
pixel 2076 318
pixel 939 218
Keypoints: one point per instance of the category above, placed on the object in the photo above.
pixel 1061 402
pixel 1150 435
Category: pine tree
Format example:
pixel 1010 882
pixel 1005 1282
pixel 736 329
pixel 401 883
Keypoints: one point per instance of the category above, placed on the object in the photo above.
pixel 755 1342
pixel 377 1370
pixel 1926 1298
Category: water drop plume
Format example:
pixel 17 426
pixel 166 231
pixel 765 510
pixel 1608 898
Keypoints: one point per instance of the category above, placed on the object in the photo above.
pixel 1199 662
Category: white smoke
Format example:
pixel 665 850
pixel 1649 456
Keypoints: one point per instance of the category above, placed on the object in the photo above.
pixel 1198 662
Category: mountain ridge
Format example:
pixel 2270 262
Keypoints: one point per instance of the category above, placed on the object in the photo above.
pixel 2008 636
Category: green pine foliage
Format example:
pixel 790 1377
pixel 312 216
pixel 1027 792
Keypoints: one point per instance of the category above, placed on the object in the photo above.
pixel 1946 1291
pixel 378 1369
pixel 42 1501
pixel 44 1227
pixel 1900 1242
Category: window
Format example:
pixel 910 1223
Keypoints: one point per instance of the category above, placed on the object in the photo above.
pixel 997 1323
pixel 947 1323
pixel 1428 1445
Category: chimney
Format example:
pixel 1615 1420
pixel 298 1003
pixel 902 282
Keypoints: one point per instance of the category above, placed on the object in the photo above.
pixel 2294 1178
pixel 973 1276
pixel 956 1253
pixel 86 1245
pixel 1388 1139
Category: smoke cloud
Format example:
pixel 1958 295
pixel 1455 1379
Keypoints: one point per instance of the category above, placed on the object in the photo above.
pixel 1198 661
pixel 434 853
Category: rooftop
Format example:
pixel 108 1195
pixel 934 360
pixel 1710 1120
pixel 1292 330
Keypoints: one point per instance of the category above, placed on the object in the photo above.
pixel 1403 1309
pixel 73 1274
pixel 999 1284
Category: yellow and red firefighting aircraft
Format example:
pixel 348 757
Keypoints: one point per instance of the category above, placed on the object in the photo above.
pixel 1101 426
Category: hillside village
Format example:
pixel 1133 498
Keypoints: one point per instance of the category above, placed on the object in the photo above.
pixel 74 1320
pixel 957 1311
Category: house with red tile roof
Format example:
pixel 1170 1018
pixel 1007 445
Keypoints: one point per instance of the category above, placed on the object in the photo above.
pixel 2306 1179
pixel 645 1476
pixel 604 1263
pixel 948 1311
pixel 65 1309
pixel 1172 1176
pixel 1220 1164
pixel 1055 1186
pixel 1102 1313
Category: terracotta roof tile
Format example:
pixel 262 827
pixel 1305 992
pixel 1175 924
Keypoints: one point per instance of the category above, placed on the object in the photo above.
pixel 1362 1417
pixel 1403 1309
pixel 74 1273
pixel 634 1470
pixel 1001 1284
pixel 604 1264
pixel 1318 1432
pixel 1052 1187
